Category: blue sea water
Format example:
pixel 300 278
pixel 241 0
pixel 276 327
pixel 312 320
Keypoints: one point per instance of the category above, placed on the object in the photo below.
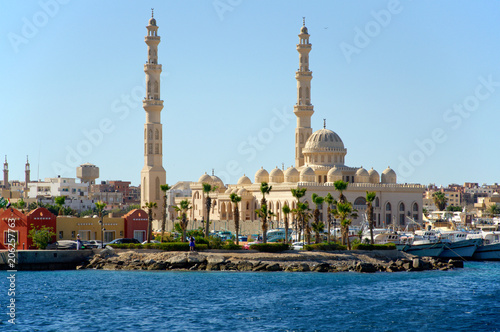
pixel 94 300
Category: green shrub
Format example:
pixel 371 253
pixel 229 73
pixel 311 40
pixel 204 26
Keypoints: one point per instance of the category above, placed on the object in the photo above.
pixel 325 247
pixel 200 240
pixel 167 246
pixel 362 246
pixel 214 242
pixel 270 247
pixel 231 246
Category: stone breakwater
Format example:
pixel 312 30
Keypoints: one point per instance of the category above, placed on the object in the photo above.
pixel 365 261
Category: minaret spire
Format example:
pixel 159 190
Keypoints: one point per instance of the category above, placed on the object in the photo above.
pixel 303 109
pixel 152 174
pixel 6 174
pixel 26 173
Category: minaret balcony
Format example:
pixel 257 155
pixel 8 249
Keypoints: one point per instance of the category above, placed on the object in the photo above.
pixel 152 67
pixel 303 73
pixel 152 38
pixel 152 102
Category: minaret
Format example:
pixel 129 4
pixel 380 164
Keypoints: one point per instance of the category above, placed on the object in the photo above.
pixel 303 109
pixel 153 174
pixel 26 174
pixel 6 174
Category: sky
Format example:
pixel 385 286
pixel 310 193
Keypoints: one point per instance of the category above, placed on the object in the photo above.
pixel 414 85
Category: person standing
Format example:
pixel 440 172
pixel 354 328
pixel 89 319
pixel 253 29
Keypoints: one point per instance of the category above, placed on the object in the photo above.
pixel 191 243
pixel 78 242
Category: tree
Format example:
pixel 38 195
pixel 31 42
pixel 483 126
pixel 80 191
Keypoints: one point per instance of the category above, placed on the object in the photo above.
pixel 183 207
pixel 317 200
pixel 41 236
pixel 100 208
pixel 452 208
pixel 493 210
pixel 370 197
pixel 59 201
pixel 264 213
pixel 318 227
pixel 164 188
pixel 150 206
pixel 286 212
pixel 302 214
pixel 298 194
pixel 236 214
pixel 341 186
pixel 329 201
pixel 345 212
pixel 440 200
pixel 207 189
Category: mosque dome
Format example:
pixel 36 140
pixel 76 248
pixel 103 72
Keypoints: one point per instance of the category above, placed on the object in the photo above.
pixel 261 176
pixel 303 29
pixel 361 176
pixel 374 177
pixel 152 21
pixel 242 192
pixel 334 174
pixel 217 181
pixel 388 176
pixel 205 178
pixel 307 175
pixel 244 180
pixel 292 175
pixel 324 147
pixel 276 176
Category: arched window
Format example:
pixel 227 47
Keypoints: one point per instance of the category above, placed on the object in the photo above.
pixel 415 207
pixel 157 134
pixel 150 134
pixel 388 206
pixel 150 148
pixel 156 87
pixel 157 148
pixel 360 201
pixel 149 88
pixel 301 138
pixel 377 202
pixel 402 207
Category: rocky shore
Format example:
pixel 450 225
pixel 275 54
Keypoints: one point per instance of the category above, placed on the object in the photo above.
pixel 290 261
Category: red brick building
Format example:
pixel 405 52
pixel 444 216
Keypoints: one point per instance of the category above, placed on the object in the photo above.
pixel 20 224
pixel 136 224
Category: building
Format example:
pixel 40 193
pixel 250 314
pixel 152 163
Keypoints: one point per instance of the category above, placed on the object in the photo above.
pixel 15 222
pixel 54 187
pixel 320 158
pixel 153 174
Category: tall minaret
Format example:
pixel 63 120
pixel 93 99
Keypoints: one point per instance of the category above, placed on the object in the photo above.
pixel 26 173
pixel 153 174
pixel 6 174
pixel 303 109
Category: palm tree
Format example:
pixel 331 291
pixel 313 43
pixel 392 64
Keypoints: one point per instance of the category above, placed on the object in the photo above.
pixel 264 213
pixel 440 200
pixel 298 194
pixel 341 186
pixel 60 202
pixel 345 212
pixel 286 212
pixel 150 206
pixel 318 200
pixel 164 188
pixel 207 189
pixel 302 214
pixel 183 222
pixel 370 197
pixel 329 201
pixel 100 207
pixel 493 210
pixel 236 214
pixel 318 228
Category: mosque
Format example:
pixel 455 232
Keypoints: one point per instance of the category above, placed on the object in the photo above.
pixel 319 162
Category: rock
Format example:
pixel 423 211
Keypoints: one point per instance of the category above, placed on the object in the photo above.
pixel 273 267
pixel 213 267
pixel 157 266
pixel 259 267
pixel 407 266
pixel 212 259
pixel 195 258
pixel 320 267
pixel 457 264
pixel 148 262
pixel 109 266
pixel 178 262
pixel 365 267
pixel 107 252
pixel 245 266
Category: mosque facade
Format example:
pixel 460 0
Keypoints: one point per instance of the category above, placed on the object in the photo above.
pixel 319 162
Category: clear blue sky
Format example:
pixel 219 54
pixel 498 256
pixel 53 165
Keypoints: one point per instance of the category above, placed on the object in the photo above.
pixel 410 84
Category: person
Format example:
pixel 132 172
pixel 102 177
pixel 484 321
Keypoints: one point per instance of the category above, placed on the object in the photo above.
pixel 78 242
pixel 191 243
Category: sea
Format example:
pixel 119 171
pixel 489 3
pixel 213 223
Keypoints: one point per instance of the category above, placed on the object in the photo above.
pixel 465 299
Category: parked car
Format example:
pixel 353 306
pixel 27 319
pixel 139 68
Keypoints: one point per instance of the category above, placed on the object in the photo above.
pixel 96 243
pixel 242 238
pixel 89 245
pixel 124 240
pixel 67 245
pixel 247 245
pixel 298 245
pixel 152 241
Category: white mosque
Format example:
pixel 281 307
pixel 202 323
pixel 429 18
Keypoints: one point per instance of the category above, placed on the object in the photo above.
pixel 319 162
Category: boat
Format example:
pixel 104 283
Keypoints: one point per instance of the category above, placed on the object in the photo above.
pixel 422 250
pixel 490 248
pixel 458 245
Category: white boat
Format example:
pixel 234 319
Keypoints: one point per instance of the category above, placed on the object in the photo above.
pixel 490 249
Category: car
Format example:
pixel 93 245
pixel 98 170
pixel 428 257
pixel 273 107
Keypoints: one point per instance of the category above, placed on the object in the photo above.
pixel 124 240
pixel 242 238
pixel 247 245
pixel 96 243
pixel 62 245
pixel 152 241
pixel 89 245
pixel 298 245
